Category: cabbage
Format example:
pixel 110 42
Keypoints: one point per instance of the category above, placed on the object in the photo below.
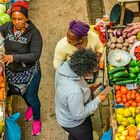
pixel 4 18
pixel 2 8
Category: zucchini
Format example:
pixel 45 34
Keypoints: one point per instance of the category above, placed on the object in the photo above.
pixel 120 74
pixel 119 79
pixel 117 69
pixel 125 82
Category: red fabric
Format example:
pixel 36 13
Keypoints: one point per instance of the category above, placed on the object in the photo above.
pixel 20 4
pixel 15 8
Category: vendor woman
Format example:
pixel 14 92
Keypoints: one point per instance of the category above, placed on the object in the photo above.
pixel 78 36
pixel 23 46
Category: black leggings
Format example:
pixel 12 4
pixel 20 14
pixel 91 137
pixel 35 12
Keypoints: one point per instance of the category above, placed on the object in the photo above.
pixel 81 132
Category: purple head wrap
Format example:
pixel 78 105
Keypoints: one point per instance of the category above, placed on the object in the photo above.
pixel 79 28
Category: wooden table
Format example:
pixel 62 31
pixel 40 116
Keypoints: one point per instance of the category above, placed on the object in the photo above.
pixel 123 3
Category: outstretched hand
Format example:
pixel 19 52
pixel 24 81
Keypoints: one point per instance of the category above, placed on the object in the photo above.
pixel 102 97
pixel 8 59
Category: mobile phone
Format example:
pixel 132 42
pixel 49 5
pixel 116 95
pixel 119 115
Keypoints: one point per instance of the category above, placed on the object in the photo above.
pixel 97 90
pixel 107 90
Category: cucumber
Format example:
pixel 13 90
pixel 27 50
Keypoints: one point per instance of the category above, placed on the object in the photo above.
pixel 119 79
pixel 117 69
pixel 120 74
pixel 125 82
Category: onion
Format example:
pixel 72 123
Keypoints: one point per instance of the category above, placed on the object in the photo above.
pixel 117 33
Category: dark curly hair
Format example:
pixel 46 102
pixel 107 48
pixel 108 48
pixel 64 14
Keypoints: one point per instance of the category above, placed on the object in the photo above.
pixel 83 61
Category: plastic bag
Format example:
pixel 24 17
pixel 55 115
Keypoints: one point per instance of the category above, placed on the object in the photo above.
pixel 107 135
pixel 13 131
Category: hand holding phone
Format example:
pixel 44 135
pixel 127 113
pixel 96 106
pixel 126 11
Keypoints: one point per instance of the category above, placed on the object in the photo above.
pixel 107 90
pixel 103 94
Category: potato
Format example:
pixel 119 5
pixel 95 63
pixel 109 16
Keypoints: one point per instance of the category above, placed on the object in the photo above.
pixel 119 46
pixel 124 48
pixel 112 46
pixel 120 40
pixel 113 39
pixel 125 44
pixel 127 41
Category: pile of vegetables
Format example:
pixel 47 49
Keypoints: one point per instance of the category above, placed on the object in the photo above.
pixel 127 97
pixel 4 17
pixel 118 39
pixel 126 74
pixel 128 121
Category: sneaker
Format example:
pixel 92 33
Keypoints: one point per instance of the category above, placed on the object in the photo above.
pixel 36 127
pixel 29 114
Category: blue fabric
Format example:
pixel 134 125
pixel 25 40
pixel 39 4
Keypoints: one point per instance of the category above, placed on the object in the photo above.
pixel 13 131
pixel 107 135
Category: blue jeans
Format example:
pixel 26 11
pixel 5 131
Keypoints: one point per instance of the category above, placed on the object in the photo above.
pixel 31 95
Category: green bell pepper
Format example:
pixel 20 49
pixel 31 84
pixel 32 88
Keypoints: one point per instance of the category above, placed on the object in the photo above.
pixel 132 76
pixel 136 69
pixel 133 63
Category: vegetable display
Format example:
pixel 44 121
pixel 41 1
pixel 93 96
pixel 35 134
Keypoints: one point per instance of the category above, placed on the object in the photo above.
pixel 125 80
pixel 120 40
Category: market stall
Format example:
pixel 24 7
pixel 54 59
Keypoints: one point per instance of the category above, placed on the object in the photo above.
pixel 4 17
pixel 123 66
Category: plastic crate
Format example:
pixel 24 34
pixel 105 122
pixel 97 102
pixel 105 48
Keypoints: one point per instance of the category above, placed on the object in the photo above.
pixel 7 4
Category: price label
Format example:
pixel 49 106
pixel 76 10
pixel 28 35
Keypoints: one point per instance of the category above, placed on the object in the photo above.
pixel 131 86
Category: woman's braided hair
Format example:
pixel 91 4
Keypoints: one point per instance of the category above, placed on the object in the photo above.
pixel 83 61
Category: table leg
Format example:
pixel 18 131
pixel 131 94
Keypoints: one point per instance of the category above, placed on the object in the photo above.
pixel 139 9
pixel 122 13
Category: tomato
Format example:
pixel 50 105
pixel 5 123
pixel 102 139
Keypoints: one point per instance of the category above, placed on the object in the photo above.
pixel 130 101
pixel 132 132
pixel 118 100
pixel 123 90
pixel 133 104
pixel 133 91
pixel 137 94
pixel 124 100
pixel 129 92
pixel 137 99
pixel 130 138
pixel 128 97
pixel 123 96
pixel 118 95
pixel 118 92
pixel 127 104
pixel 138 104
pixel 117 87
pixel 133 96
